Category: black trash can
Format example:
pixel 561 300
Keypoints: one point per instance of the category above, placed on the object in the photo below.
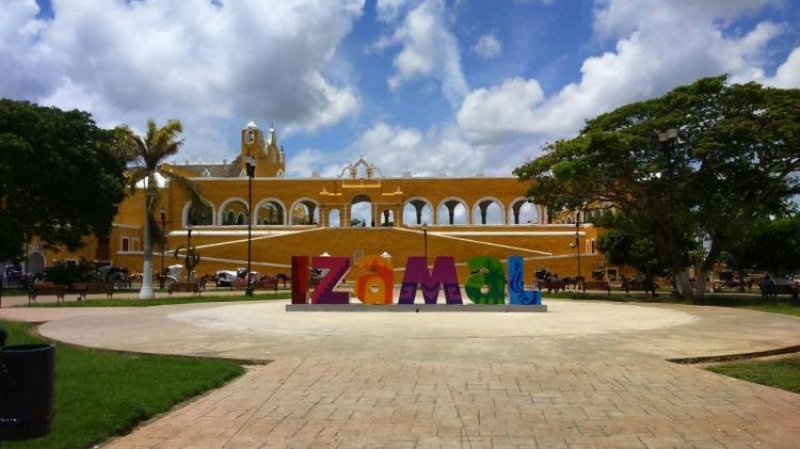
pixel 27 374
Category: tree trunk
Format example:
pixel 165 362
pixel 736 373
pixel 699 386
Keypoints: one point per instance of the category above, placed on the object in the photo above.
pixel 147 269
pixel 708 265
pixel 683 285
pixel 702 280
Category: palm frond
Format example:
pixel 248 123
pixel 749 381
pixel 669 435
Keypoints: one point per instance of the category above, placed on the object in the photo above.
pixel 135 176
pixel 195 194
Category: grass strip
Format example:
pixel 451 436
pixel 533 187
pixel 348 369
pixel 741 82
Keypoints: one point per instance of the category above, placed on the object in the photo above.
pixel 100 394
pixel 781 373
pixel 752 302
pixel 135 302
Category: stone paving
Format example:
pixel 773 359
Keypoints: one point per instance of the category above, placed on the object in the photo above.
pixel 583 375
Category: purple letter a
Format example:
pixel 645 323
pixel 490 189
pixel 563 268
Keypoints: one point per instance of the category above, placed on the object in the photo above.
pixel 444 273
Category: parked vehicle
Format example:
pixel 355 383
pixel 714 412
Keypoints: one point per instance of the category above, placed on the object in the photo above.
pixel 225 278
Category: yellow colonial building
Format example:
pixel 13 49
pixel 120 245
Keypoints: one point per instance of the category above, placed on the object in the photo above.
pixel 357 213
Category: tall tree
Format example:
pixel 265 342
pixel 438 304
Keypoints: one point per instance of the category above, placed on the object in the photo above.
pixel 736 158
pixel 151 150
pixel 60 177
pixel 773 245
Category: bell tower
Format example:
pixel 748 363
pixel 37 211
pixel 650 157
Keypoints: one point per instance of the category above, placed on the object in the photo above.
pixel 270 160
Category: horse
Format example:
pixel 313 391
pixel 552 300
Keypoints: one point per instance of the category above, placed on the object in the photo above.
pixel 134 277
pixel 283 278
pixel 574 281
pixel 208 277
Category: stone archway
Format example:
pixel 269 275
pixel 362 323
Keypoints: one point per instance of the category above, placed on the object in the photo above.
pixel 523 211
pixel 304 211
pixel 270 212
pixel 452 211
pixel 417 211
pixel 361 211
pixel 35 262
pixel 488 211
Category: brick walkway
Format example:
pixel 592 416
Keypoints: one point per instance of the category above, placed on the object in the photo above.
pixel 450 381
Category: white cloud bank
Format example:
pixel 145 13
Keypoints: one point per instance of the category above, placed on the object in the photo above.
pixel 660 46
pixel 192 59
pixel 428 48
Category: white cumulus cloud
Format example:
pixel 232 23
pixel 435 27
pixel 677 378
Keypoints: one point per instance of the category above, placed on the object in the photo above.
pixel 195 60
pixel 788 74
pixel 659 46
pixel 487 47
pixel 428 50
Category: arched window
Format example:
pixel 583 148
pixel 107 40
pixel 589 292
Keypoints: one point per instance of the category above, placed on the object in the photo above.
pixel 199 215
pixel 270 213
pixel 452 211
pixel 361 211
pixel 233 212
pixel 334 218
pixel 417 211
pixel 304 212
pixel 523 212
pixel 487 211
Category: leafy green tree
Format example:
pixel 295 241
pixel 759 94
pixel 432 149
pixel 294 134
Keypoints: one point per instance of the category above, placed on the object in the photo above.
pixel 151 151
pixel 773 246
pixel 735 159
pixel 61 178
pixel 66 274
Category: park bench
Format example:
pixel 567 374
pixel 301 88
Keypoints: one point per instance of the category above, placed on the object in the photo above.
pixel 186 287
pixel 783 289
pixel 597 285
pixel 83 289
pixel 45 289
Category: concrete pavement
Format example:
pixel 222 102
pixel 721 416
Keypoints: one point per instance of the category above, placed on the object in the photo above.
pixel 585 374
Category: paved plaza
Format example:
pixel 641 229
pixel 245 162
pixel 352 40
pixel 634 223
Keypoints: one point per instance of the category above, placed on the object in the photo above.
pixel 584 374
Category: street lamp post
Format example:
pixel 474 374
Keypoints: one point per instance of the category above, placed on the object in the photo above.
pixel 425 240
pixel 189 250
pixel 250 165
pixel 164 222
pixel 668 140
pixel 578 278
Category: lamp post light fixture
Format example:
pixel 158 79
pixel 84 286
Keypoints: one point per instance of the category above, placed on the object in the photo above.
pixel 578 278
pixel 188 248
pixel 668 139
pixel 250 165
pixel 164 222
pixel 425 240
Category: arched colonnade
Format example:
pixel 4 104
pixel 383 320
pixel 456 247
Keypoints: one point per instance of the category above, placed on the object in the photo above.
pixel 363 210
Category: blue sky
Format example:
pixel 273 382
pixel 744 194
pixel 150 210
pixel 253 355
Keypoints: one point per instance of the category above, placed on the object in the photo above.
pixel 431 87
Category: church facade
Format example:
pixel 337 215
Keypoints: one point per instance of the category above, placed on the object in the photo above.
pixel 360 212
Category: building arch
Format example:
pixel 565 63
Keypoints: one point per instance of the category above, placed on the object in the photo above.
pixel 448 211
pixel 414 211
pixel 522 211
pixel 200 218
pixel 361 208
pixel 270 212
pixel 334 218
pixel 386 217
pixel 483 212
pixel 230 210
pixel 304 211
pixel 35 262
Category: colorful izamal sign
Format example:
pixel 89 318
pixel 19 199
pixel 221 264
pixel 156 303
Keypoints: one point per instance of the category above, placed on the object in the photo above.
pixel 375 283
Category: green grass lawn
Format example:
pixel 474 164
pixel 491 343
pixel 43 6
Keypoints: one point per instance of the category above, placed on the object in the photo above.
pixel 753 302
pixel 99 394
pixel 130 302
pixel 781 373
pixel 786 309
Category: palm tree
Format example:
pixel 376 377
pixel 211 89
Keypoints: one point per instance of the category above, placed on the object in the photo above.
pixel 150 152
